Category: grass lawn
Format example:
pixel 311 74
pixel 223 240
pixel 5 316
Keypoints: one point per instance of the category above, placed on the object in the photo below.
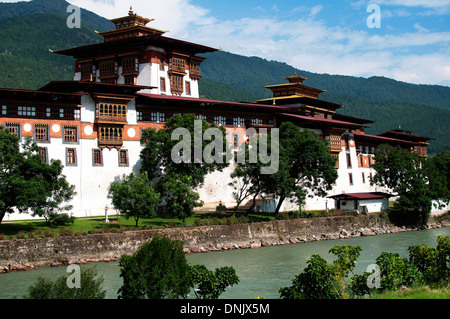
pixel 84 225
pixel 414 293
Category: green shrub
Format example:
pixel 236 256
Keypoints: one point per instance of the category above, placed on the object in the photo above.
pixel 90 287
pixel 158 270
pixel 433 263
pixel 61 220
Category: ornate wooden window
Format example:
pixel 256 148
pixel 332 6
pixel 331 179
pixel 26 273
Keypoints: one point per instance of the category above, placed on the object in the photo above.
pixel 110 136
pixel 162 83
pixel 161 64
pixel 71 156
pixel 130 64
pixel 108 68
pixel 177 64
pixel 87 72
pixel 176 84
pixel 13 128
pixel 70 134
pixel 123 157
pixel 335 142
pixel 97 159
pixel 188 88
pixel 111 112
pixel 194 70
pixel 43 153
pixel 41 132
pixel 4 110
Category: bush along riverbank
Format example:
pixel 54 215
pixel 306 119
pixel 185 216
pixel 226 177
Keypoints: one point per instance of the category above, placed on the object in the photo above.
pixel 27 254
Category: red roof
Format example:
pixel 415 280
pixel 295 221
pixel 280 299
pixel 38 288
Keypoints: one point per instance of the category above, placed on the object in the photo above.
pixel 382 139
pixel 208 101
pixel 324 121
pixel 368 195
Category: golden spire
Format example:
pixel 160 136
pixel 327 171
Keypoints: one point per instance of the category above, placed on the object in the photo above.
pixel 130 13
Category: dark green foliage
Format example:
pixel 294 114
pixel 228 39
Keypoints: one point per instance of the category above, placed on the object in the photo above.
pixel 158 270
pixel 61 220
pixel 305 166
pixel 402 171
pixel 210 285
pixel 319 280
pixel 26 182
pixel 181 199
pixel 133 196
pixel 433 263
pixel 176 179
pixel 90 287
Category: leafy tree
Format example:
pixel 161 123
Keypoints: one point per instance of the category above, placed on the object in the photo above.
pixel 410 178
pixel 61 195
pixel 90 287
pixel 210 285
pixel 27 182
pixel 133 196
pixel 305 167
pixel 158 270
pixel 181 199
pixel 433 263
pixel 247 180
pixel 320 280
pixel 174 172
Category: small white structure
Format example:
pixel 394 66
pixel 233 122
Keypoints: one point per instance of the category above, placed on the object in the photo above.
pixel 369 202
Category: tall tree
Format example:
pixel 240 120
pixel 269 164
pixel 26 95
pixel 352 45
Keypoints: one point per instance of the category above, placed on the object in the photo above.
pixel 412 179
pixel 178 157
pixel 26 182
pixel 306 168
pixel 134 196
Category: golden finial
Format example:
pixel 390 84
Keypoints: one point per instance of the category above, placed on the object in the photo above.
pixel 131 11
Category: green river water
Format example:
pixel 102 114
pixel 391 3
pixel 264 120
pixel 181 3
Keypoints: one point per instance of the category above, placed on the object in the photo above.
pixel 262 271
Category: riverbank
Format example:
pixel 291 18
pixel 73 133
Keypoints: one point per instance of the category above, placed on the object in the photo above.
pixel 28 254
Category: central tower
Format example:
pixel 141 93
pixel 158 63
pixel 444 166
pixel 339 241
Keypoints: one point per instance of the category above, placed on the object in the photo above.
pixel 135 54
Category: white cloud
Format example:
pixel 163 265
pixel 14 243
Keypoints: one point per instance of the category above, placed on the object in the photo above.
pixel 306 43
pixel 169 15
pixel 415 3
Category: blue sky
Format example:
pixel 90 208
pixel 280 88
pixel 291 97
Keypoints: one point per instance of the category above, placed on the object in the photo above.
pixel 411 45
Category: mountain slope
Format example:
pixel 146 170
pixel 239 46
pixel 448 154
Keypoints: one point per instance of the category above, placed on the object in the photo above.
pixel 25 59
pixel 10 10
pixel 30 29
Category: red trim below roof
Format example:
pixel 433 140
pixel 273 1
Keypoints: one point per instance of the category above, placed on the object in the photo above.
pixel 368 195
pixel 381 139
pixel 201 100
pixel 325 121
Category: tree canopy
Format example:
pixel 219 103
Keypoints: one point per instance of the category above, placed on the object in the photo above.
pixel 26 182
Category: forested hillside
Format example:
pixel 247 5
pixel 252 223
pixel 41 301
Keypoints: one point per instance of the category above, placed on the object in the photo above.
pixel 31 29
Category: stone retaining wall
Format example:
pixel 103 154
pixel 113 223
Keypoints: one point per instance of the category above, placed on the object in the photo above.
pixel 28 254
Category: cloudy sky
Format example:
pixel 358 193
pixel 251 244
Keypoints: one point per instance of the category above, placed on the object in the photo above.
pixel 411 42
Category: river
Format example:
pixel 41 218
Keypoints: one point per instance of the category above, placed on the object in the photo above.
pixel 262 271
